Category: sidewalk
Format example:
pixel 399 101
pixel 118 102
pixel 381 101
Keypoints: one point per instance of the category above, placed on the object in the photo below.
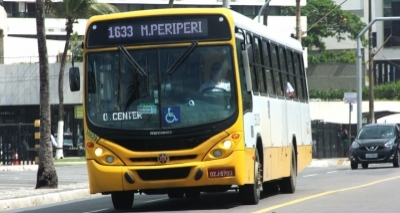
pixel 330 162
pixel 14 197
pixel 21 195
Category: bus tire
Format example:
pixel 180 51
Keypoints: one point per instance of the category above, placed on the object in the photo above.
pixel 288 184
pixel 122 200
pixel 250 193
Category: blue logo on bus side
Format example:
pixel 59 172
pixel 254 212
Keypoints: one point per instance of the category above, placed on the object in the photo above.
pixel 171 115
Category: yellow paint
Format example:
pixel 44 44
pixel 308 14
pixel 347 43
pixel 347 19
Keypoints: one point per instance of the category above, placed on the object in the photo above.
pixel 277 161
pixel 322 194
pixel 37 135
pixel 304 157
pixel 36 123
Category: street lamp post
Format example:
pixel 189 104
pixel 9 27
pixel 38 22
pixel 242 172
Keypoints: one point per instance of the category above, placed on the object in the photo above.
pixel 358 66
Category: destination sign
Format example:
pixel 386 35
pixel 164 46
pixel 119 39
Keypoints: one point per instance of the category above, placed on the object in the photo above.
pixel 157 30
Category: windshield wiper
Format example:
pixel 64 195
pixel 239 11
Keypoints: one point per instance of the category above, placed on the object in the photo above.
pixel 133 62
pixel 183 57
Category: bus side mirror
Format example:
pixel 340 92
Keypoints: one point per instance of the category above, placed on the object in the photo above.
pixel 246 66
pixel 74 79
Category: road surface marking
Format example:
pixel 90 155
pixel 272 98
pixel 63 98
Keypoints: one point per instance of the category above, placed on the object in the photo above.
pixel 100 210
pixel 322 194
pixel 155 200
pixel 310 175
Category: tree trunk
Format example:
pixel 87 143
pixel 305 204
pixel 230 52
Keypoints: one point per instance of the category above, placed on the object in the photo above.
pixel 60 131
pixel 171 4
pixel 46 174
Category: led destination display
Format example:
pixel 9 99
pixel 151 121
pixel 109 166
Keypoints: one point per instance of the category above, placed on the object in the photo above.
pixel 157 29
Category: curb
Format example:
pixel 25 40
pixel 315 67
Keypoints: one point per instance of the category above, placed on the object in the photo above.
pixel 17 203
pixel 329 162
pixel 5 168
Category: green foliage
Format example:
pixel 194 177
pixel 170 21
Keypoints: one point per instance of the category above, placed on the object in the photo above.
pixel 337 24
pixel 72 10
pixel 345 56
pixel 390 91
pixel 74 41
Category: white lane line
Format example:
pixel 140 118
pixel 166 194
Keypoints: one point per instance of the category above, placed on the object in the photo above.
pixel 310 175
pixel 331 172
pixel 155 200
pixel 100 210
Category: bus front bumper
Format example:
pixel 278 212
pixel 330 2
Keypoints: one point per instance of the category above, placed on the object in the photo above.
pixel 237 169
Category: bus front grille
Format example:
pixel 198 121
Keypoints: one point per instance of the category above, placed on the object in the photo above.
pixel 164 174
pixel 155 159
pixel 165 144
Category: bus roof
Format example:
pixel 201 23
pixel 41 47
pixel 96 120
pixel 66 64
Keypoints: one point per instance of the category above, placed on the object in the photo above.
pixel 246 23
pixel 238 19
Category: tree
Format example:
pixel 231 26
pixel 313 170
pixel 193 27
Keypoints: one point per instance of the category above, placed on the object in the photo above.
pixel 71 10
pixel 46 174
pixel 76 40
pixel 326 19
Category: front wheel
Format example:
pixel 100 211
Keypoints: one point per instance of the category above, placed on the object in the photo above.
pixel 354 165
pixel 250 193
pixel 396 160
pixel 122 200
pixel 364 165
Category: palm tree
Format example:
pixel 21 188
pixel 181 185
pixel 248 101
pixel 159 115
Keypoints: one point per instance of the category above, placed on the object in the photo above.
pixel 75 40
pixel 46 174
pixel 71 10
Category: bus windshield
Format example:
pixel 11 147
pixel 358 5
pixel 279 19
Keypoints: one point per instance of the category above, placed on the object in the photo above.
pixel 162 88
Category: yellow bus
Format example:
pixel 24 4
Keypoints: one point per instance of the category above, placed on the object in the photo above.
pixel 185 101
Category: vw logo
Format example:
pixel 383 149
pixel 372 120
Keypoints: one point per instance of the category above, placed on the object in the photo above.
pixel 162 158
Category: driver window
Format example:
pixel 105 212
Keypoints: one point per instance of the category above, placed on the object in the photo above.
pixel 105 86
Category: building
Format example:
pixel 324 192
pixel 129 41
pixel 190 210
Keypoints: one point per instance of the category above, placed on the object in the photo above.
pixel 19 75
pixel 386 42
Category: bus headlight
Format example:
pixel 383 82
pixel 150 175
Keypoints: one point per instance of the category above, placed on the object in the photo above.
pixel 109 159
pixel 98 152
pixel 227 144
pixel 217 153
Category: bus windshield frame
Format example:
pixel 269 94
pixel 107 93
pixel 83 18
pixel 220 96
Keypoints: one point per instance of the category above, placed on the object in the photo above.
pixel 120 96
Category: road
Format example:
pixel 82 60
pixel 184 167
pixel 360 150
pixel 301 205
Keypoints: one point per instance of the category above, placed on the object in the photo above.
pixel 330 189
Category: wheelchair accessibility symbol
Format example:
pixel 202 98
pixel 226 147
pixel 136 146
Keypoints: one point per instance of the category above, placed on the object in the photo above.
pixel 171 115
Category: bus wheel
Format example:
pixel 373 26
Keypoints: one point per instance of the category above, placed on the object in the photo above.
pixel 250 193
pixel 175 194
pixel 288 184
pixel 122 200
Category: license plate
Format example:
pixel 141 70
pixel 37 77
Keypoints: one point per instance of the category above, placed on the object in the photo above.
pixel 371 155
pixel 217 173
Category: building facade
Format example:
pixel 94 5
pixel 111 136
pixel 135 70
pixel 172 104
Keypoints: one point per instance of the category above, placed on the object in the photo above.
pixel 386 44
